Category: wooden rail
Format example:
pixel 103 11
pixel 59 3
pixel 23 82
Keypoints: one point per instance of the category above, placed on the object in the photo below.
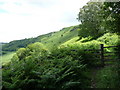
pixel 100 53
pixel 103 56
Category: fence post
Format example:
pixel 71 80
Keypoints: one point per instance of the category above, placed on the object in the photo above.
pixel 102 54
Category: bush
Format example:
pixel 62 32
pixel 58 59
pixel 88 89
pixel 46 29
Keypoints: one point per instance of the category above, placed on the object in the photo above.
pixel 80 50
pixel 36 68
pixel 109 38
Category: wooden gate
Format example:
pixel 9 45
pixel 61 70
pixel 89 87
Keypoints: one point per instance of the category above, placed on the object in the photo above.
pixel 103 54
pixel 107 56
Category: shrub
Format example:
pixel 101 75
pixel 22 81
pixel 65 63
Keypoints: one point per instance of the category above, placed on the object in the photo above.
pixel 80 50
pixel 109 38
pixel 32 67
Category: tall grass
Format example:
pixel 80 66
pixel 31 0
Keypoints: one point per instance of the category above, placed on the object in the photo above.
pixel 107 77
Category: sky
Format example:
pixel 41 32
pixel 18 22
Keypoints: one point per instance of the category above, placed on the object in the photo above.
pixel 21 19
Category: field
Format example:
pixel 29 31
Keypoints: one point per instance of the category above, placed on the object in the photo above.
pixel 7 57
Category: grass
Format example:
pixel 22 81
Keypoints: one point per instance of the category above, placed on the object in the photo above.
pixel 73 40
pixel 7 57
pixel 59 37
pixel 107 77
pixel 50 40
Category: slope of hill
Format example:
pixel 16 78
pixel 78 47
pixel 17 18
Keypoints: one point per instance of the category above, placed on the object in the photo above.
pixel 107 39
pixel 7 57
pixel 1 44
pixel 50 39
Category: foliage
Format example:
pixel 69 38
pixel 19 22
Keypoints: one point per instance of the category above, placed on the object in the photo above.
pixel 65 64
pixel 112 16
pixel 14 45
pixel 80 49
pixel 107 77
pixel 85 39
pixel 4 52
pixel 109 39
pixel 31 50
pixel 49 40
pixel 91 17
pixel 97 18
pixel 35 67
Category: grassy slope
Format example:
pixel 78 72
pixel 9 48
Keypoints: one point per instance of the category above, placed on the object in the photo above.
pixel 60 37
pixel 7 57
pixel 1 44
pixel 68 36
pixel 50 39
pixel 108 39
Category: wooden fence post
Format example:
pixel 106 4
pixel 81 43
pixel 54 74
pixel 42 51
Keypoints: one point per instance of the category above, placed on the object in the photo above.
pixel 102 54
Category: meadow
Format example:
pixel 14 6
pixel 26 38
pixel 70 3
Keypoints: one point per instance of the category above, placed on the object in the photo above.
pixel 7 57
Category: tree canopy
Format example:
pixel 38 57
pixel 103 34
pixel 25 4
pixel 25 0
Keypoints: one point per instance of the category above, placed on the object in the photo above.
pixel 112 12
pixel 99 17
pixel 91 17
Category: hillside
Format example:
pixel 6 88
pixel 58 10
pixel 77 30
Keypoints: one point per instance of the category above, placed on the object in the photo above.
pixel 1 44
pixel 84 56
pixel 50 39
pixel 68 62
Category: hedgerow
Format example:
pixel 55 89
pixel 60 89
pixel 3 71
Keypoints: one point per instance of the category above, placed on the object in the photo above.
pixel 38 68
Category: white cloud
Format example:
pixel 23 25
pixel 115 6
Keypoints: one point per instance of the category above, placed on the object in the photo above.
pixel 30 18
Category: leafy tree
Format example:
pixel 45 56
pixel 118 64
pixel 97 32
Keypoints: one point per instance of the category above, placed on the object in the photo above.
pixel 91 17
pixel 112 14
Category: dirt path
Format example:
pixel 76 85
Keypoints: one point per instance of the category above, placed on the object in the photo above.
pixel 94 74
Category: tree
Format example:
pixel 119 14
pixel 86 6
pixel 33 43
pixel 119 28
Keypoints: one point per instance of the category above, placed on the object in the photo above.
pixel 91 17
pixel 112 14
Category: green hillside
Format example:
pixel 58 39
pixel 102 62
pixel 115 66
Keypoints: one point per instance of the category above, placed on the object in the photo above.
pixel 84 56
pixel 50 39
pixel 1 44
pixel 65 66
pixel 7 57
